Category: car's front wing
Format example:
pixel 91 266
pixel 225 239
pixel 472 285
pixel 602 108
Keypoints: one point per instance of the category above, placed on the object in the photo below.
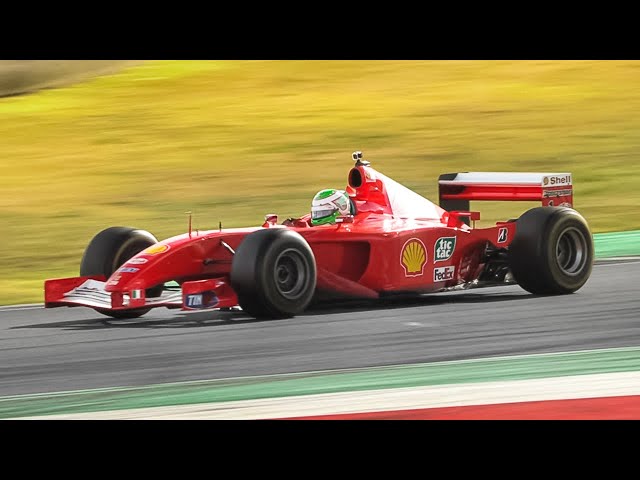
pixel 90 291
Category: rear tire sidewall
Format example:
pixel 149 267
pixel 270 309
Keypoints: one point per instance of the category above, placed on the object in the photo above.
pixel 533 257
pixel 563 282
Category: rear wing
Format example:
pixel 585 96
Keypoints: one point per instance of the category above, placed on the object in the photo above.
pixel 456 190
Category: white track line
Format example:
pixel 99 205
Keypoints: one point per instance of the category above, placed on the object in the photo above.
pixel 615 264
pixel 26 306
pixel 393 399
pixel 293 375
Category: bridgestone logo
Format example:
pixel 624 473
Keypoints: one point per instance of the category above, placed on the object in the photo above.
pixel 443 274
pixel 502 235
pixel 444 248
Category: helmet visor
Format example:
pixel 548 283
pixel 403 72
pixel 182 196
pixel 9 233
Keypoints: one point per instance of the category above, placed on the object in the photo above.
pixel 322 212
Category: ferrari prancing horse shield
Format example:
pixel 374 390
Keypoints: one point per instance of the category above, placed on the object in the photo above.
pixel 413 257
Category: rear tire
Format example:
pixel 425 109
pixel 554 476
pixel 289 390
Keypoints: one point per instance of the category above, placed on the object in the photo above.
pixel 552 251
pixel 274 273
pixel 109 250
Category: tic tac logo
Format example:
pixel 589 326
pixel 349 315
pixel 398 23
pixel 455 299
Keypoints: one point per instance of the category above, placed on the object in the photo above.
pixel 442 274
pixel 502 235
pixel 556 180
pixel 444 248
pixel 413 257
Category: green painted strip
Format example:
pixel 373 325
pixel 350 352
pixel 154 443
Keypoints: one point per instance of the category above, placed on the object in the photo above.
pixel 617 244
pixel 442 373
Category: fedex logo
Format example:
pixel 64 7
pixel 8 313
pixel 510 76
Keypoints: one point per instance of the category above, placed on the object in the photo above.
pixel 442 274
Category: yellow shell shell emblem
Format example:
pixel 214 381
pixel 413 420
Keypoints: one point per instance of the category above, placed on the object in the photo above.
pixel 413 257
pixel 155 249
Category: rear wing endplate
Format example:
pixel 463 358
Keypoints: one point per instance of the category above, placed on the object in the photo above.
pixel 456 190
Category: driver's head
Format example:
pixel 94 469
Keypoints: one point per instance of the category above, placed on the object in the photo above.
pixel 328 205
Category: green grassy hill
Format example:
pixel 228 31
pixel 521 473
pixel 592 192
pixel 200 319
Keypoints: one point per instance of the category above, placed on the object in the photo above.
pixel 233 140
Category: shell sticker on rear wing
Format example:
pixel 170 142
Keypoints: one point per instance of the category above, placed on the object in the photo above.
pixel 456 190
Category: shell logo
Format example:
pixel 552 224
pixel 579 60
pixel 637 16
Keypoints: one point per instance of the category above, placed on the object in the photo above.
pixel 156 249
pixel 413 257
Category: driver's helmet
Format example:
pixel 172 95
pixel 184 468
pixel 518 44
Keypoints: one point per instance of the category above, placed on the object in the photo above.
pixel 328 205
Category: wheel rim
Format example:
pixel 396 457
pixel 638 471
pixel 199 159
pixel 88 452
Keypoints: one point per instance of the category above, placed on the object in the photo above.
pixel 290 274
pixel 571 251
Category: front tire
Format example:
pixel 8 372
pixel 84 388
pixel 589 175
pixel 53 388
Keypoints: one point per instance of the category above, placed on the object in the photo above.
pixel 109 250
pixel 274 273
pixel 552 252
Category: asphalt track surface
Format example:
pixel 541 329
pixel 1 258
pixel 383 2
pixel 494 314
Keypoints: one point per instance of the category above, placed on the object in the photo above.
pixel 50 350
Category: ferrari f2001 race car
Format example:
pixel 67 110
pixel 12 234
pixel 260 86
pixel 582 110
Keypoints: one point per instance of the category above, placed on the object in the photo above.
pixel 395 242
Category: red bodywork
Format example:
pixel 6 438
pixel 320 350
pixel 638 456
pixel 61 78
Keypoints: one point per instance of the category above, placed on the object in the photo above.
pixel 397 242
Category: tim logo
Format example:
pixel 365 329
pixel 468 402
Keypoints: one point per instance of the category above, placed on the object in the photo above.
pixel 502 235
pixel 207 299
pixel 194 301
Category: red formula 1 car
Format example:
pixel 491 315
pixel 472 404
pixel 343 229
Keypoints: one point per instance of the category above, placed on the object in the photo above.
pixel 395 242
